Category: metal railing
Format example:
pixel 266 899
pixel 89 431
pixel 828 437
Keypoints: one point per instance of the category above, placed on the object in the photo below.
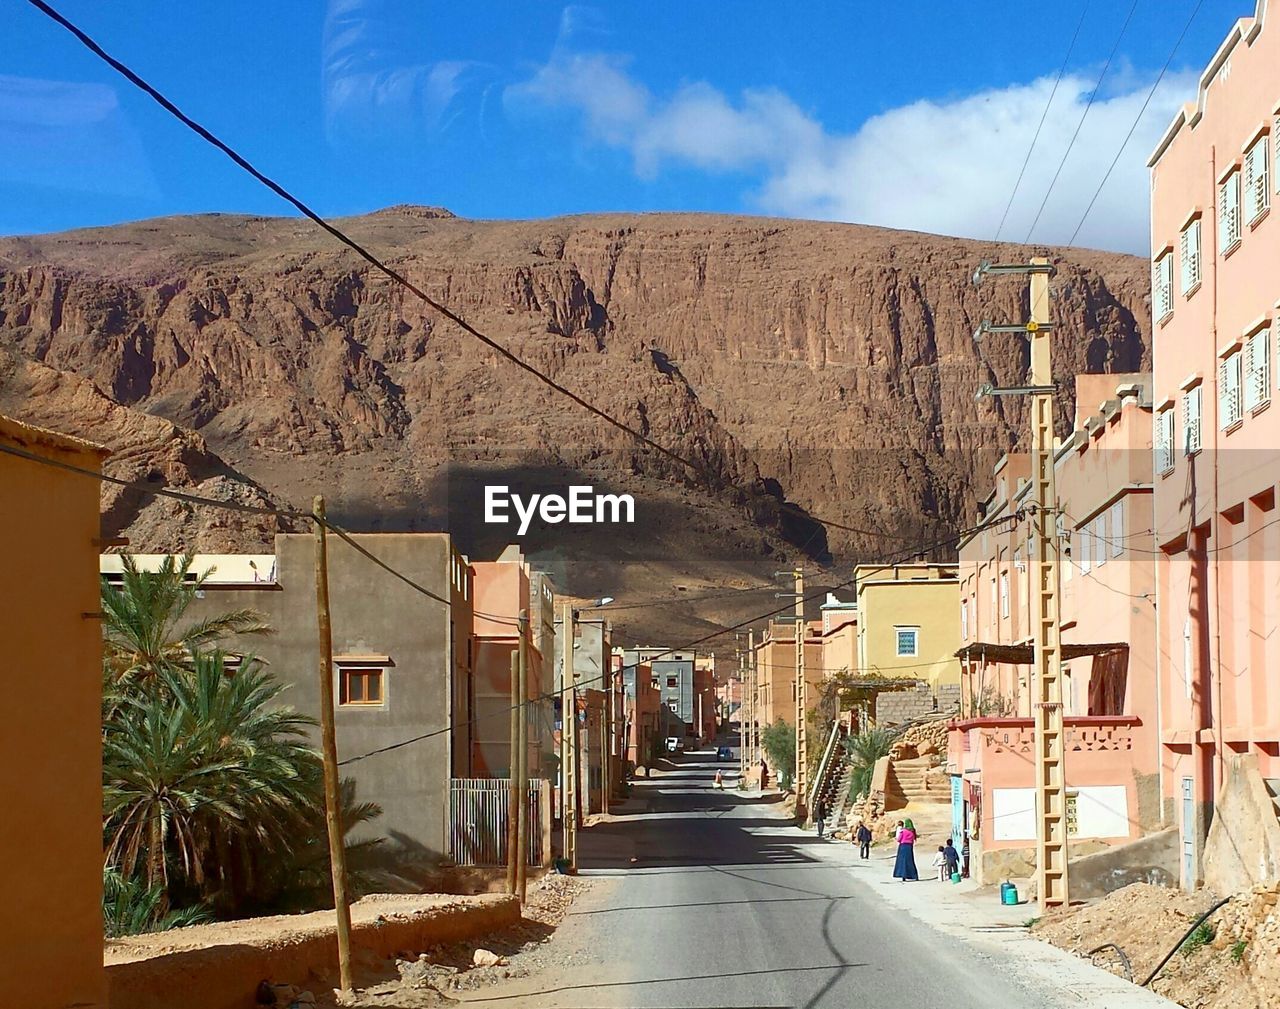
pixel 478 821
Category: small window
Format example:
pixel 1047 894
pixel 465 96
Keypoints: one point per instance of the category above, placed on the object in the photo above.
pixel 358 685
pixel 1190 257
pixel 1229 212
pixel 1191 402
pixel 1257 189
pixel 671 681
pixel 1162 287
pixel 964 619
pixel 1257 370
pixel 1100 540
pixel 1086 548
pixel 1164 441
pixel 1117 528
pixel 673 704
pixel 1004 594
pixel 1229 402
pixel 653 682
pixel 908 641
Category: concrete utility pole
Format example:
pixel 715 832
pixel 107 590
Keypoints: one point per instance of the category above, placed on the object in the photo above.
pixel 329 752
pixel 802 696
pixel 753 730
pixel 1050 772
pixel 568 743
pixel 513 795
pixel 742 710
pixel 522 763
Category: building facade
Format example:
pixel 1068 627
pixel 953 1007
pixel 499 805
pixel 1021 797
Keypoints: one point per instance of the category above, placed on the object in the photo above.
pixel 51 738
pixel 1216 301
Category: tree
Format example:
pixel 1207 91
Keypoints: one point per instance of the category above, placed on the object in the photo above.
pixel 865 750
pixel 130 907
pixel 779 741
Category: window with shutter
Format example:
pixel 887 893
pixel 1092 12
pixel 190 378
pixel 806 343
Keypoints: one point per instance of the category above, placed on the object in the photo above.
pixel 1086 549
pixel 1100 540
pixel 1191 421
pixel 1189 256
pixel 1229 212
pixel 1162 286
pixel 1229 391
pixel 1164 441
pixel 1257 370
pixel 1257 190
pixel 1117 528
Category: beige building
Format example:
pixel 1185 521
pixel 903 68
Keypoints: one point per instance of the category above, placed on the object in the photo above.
pixel 776 670
pixel 50 733
pixel 908 623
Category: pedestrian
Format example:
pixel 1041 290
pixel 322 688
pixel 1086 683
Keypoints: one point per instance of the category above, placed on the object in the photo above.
pixel 820 816
pixel 904 868
pixel 964 855
pixel 764 775
pixel 864 840
pixel 940 864
pixel 953 859
pixel 719 780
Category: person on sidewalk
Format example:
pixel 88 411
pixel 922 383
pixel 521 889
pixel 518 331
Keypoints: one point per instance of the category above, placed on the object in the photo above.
pixel 719 780
pixel 820 816
pixel 940 864
pixel 764 775
pixel 863 837
pixel 953 859
pixel 905 866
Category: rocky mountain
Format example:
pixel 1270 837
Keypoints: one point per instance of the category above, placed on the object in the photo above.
pixel 803 368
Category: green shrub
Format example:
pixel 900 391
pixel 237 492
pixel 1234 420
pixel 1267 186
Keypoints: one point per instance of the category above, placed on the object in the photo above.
pixel 1237 950
pixel 1199 939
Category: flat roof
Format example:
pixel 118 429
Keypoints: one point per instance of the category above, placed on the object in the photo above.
pixel 217 569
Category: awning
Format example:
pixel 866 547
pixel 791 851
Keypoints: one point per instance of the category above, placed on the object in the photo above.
pixel 1024 654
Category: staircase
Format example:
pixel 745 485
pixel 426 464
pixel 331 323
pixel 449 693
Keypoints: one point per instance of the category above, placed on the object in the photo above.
pixel 907 782
pixel 831 786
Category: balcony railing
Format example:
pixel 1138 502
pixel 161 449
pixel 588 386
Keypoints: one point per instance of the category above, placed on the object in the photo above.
pixel 1083 733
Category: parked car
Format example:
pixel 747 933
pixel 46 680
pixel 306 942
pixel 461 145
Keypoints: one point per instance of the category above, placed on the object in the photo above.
pixel 674 744
pixel 724 753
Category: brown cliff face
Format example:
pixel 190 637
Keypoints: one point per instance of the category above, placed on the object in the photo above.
pixel 830 364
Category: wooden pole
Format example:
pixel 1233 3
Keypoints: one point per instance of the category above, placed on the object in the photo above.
pixel 522 763
pixel 513 795
pixel 329 752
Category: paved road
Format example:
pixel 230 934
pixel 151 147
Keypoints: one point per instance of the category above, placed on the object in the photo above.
pixel 727 905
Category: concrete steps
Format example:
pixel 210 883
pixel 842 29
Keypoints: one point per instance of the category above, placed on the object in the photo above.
pixel 907 778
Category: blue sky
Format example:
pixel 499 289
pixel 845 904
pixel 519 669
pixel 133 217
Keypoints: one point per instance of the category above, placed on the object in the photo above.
pixel 913 115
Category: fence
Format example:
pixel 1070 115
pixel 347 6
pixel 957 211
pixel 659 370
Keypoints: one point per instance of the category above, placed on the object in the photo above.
pixel 478 821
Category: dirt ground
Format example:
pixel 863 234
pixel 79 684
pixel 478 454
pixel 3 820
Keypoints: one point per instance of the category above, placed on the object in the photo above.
pixel 1146 921
pixel 443 975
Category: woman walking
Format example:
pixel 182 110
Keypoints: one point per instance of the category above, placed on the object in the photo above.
pixel 905 867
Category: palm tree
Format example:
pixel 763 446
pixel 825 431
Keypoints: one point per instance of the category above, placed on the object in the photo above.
pixel 129 907
pixel 206 778
pixel 144 626
pixel 865 750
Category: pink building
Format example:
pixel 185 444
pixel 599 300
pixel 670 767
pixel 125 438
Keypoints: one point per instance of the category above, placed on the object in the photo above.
pixel 1216 298
pixel 1104 482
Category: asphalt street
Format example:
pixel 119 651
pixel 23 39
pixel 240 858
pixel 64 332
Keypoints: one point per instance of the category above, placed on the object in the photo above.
pixel 718 901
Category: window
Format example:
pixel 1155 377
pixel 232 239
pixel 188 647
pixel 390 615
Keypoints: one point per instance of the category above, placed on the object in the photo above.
pixel 1100 540
pixel 1164 441
pixel 359 685
pixel 994 597
pixel 1257 191
pixel 908 640
pixel 1086 548
pixel 1190 257
pixel 1257 369
pixel 1191 421
pixel 1229 413
pixel 964 619
pixel 673 705
pixel 1004 593
pixel 1162 287
pixel 1229 212
pixel 671 681
pixel 1117 528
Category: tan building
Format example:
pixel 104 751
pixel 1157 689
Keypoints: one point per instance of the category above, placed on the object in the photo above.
pixel 776 670
pixel 50 735
pixel 909 627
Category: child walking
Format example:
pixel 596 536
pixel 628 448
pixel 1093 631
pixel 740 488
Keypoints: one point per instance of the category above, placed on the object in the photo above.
pixel 940 864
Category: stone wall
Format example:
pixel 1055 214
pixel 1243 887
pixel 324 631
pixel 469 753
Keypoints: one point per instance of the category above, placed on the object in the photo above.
pixel 1243 847
pixel 898 706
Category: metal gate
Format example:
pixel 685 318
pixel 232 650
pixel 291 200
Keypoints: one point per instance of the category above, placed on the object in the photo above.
pixel 478 821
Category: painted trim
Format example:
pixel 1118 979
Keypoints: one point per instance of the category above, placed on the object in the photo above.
pixel 1260 323
pixel 1191 381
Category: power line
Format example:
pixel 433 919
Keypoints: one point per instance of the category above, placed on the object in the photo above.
pixel 1044 115
pixel 1088 105
pixel 337 233
pixel 1138 118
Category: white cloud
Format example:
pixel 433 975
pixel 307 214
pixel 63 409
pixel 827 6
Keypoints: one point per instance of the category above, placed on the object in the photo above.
pixel 945 167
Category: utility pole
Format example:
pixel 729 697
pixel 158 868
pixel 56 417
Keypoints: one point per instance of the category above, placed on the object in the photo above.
pixel 522 763
pixel 802 734
pixel 568 743
pixel 329 752
pixel 742 710
pixel 513 795
pixel 1050 769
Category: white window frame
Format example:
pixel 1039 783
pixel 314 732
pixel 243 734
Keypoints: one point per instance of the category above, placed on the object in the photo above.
pixel 1257 369
pixel 1086 548
pixel 1117 528
pixel 1192 417
pixel 1230 402
pixel 1229 212
pixel 964 619
pixel 1257 172
pixel 1100 540
pixel 914 631
pixel 1165 456
pixel 1162 287
pixel 1189 257
pixel 1004 594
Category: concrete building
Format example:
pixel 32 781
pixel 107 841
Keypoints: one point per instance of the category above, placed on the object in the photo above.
pixel 706 707
pixel 642 731
pixel 51 731
pixel 1216 300
pixel 403 665
pixel 776 670
pixel 907 630
pixel 1103 475
pixel 594 675
pixel 679 701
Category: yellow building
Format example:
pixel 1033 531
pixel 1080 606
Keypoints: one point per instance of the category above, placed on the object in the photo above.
pixel 909 623
pixel 50 724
